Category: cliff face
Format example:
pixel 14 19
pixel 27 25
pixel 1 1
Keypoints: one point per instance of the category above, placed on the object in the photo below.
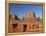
pixel 27 24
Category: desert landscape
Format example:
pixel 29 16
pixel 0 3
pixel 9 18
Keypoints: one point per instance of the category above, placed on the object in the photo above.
pixel 28 23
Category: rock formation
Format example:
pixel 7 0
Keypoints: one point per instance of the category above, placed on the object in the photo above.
pixel 27 24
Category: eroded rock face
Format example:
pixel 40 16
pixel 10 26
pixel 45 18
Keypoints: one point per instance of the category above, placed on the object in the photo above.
pixel 30 15
pixel 30 24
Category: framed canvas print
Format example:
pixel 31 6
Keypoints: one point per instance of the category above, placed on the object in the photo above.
pixel 24 17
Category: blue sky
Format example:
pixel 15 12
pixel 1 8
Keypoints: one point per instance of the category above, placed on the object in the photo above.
pixel 21 9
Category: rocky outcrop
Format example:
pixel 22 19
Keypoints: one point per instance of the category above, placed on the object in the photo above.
pixel 27 24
